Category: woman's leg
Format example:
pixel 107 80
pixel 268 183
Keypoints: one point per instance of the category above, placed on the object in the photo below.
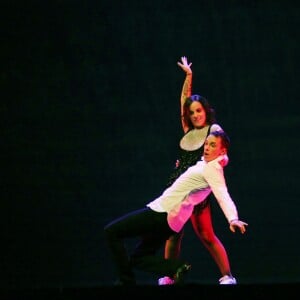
pixel 203 227
pixel 173 245
pixel 172 251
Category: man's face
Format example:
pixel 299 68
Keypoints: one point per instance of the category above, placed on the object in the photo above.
pixel 213 148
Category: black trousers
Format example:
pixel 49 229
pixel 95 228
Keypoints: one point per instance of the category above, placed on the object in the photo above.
pixel 153 230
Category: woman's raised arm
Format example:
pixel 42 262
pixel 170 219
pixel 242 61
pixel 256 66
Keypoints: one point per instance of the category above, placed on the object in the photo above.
pixel 186 88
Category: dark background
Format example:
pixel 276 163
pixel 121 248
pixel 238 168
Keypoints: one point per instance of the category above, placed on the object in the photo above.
pixel 90 127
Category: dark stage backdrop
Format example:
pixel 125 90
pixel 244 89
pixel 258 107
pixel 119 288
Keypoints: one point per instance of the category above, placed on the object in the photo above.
pixel 90 126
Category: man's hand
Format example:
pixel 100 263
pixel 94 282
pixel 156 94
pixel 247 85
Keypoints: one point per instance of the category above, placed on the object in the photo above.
pixel 234 224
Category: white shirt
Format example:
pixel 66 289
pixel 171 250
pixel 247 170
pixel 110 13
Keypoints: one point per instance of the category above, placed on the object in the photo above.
pixel 191 188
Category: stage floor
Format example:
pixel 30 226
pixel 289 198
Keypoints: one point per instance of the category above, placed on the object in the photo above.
pixel 192 291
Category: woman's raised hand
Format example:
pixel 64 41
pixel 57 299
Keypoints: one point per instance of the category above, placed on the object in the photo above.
pixel 185 66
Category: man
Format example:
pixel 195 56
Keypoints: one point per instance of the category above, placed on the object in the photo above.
pixel 168 213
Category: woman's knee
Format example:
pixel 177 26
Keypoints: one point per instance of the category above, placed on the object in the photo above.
pixel 176 238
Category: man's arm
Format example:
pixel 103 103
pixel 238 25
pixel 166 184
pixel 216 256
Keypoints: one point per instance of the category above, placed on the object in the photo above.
pixel 215 177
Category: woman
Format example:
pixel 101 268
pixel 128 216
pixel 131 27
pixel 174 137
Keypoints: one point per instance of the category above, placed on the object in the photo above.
pixel 198 120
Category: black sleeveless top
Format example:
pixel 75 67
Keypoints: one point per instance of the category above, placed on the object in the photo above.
pixel 186 159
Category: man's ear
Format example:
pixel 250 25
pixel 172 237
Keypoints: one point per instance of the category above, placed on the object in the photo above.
pixel 224 151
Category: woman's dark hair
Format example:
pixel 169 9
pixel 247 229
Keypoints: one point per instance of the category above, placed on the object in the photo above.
pixel 210 112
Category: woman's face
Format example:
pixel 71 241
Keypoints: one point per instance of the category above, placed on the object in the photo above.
pixel 197 114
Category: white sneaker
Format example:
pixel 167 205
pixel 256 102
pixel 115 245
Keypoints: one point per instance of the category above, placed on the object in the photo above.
pixel 166 281
pixel 227 280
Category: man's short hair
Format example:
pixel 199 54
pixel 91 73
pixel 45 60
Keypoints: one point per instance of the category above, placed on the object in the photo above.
pixel 224 137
